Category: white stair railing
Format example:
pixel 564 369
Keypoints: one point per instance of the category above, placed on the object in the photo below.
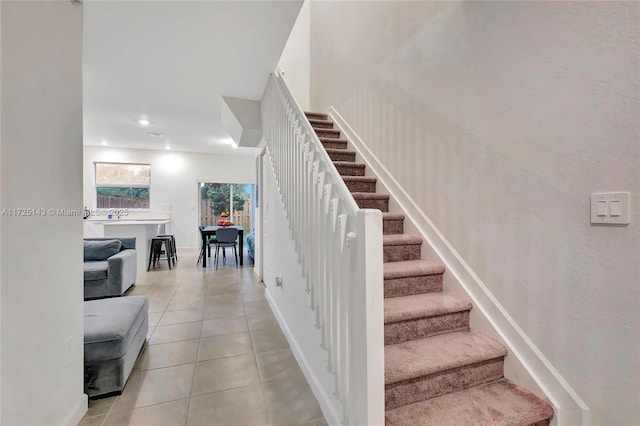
pixel 339 248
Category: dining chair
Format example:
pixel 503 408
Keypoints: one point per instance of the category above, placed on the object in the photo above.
pixel 226 237
pixel 207 244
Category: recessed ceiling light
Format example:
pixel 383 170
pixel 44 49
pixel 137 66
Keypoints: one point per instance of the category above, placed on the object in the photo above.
pixel 104 143
pixel 144 122
pixel 167 147
pixel 156 134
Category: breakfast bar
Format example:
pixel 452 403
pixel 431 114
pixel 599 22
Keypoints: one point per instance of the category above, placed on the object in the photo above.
pixel 143 230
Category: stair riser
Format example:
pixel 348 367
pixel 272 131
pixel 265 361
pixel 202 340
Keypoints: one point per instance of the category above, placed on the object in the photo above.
pixel 316 116
pixel 327 133
pixel 366 203
pixel 422 388
pixel 392 226
pixel 335 145
pixel 322 125
pixel 542 423
pixel 350 170
pixel 342 156
pixel 400 253
pixel 361 186
pixel 408 286
pixel 424 327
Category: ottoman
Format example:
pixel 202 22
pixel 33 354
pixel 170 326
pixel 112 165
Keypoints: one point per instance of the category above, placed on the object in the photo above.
pixel 114 331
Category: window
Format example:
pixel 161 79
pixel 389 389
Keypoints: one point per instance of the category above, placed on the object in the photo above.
pixel 123 185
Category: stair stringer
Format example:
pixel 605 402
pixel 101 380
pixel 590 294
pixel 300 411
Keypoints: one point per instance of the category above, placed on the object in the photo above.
pixel 525 364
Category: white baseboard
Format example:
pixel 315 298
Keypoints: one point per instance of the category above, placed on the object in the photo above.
pixel 330 415
pixel 525 361
pixel 77 412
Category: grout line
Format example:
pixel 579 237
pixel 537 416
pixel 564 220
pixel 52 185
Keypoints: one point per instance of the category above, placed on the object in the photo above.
pixel 147 406
pixel 193 378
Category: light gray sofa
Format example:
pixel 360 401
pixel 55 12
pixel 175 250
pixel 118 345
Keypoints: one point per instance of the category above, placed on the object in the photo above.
pixel 110 266
pixel 114 332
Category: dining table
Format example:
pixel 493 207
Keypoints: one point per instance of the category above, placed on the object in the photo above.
pixel 211 230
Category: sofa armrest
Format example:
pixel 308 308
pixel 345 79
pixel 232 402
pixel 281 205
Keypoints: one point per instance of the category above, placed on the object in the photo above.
pixel 122 270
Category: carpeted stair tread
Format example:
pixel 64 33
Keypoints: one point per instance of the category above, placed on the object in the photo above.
pixel 412 268
pixel 400 248
pixel 405 308
pixel 392 223
pixel 339 154
pixel 344 166
pixel 341 142
pixel 324 124
pixel 501 402
pixel 369 196
pixel 316 115
pixel 339 151
pixel 423 357
pixel 327 133
pixel 400 240
pixel 360 183
pixel 392 216
pixel 360 179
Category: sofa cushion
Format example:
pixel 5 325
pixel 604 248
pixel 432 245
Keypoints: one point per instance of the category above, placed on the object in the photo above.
pixel 96 270
pixel 101 250
pixel 110 326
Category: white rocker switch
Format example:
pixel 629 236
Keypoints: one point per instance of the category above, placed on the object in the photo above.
pixel 602 208
pixel 610 208
pixel 615 208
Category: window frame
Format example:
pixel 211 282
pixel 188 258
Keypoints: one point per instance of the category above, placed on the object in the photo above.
pixel 96 185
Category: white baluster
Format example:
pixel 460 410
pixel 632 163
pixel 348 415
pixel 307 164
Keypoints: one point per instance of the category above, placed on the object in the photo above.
pixel 346 352
pixel 318 233
pixel 314 229
pixel 326 252
pixel 340 232
pixel 334 261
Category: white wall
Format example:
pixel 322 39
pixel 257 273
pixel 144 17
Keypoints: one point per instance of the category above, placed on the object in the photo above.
pixel 174 181
pixel 295 59
pixel 500 119
pixel 290 302
pixel 41 167
pixel 1 180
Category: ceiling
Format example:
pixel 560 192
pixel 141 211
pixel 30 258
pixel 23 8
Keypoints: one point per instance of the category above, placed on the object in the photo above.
pixel 171 62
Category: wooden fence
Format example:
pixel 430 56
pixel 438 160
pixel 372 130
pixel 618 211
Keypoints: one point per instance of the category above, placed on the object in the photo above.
pixel 240 217
pixel 106 201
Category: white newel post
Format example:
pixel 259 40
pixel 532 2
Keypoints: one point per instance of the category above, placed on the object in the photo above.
pixel 367 313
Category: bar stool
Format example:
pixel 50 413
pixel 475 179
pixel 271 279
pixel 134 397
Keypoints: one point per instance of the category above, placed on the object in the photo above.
pixel 174 249
pixel 156 251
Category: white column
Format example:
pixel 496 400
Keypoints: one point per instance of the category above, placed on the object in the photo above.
pixel 41 276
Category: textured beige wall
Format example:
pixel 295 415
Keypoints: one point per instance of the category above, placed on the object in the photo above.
pixel 500 119
pixel 294 61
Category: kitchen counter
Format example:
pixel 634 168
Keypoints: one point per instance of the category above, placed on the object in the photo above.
pixel 131 222
pixel 143 230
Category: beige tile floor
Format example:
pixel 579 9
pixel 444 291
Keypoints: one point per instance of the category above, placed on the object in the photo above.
pixel 215 355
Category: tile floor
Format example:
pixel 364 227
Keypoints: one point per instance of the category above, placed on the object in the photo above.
pixel 215 355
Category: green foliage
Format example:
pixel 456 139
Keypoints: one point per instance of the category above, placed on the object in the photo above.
pixel 128 193
pixel 219 193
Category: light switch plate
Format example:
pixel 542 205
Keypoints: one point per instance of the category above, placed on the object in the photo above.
pixel 620 215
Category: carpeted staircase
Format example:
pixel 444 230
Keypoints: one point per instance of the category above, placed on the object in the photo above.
pixel 437 371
